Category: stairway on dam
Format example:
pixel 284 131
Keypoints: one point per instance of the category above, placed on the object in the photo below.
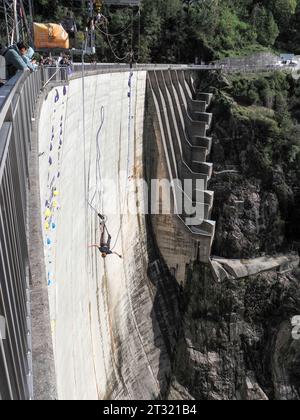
pixel 113 326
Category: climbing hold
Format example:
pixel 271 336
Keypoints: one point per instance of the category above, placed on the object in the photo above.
pixel 50 161
pixel 54 204
pixel 53 226
pixel 65 90
pixel 56 99
pixel 53 326
pixel 58 174
pixel 48 213
pixel 60 142
pixel 56 193
pixel 49 242
pixel 50 278
pixel 47 226
pixel 51 147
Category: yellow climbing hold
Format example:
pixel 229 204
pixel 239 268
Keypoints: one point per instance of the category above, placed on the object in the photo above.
pixel 53 326
pixel 48 213
pixel 56 193
pixel 54 204
pixel 47 226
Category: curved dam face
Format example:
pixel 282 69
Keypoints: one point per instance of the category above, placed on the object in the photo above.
pixel 107 340
pixel 115 321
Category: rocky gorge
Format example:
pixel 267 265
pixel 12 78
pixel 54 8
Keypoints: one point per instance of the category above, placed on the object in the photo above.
pixel 235 339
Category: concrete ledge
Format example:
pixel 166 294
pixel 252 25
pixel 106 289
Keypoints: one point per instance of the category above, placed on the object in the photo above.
pixel 238 269
pixel 44 376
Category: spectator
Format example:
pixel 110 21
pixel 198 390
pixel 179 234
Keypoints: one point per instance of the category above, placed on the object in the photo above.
pixel 65 62
pixel 14 59
pixel 27 56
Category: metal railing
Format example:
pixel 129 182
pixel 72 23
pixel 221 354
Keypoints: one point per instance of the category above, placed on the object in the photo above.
pixel 17 106
pixel 55 75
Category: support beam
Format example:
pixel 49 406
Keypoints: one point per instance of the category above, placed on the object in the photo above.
pixel 18 19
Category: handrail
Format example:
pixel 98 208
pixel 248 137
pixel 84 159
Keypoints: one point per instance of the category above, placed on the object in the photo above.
pixel 49 80
pixel 8 92
pixel 17 107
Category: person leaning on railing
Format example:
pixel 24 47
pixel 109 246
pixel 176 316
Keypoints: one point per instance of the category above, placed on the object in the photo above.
pixel 17 57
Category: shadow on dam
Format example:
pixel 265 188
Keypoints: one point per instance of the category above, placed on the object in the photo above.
pixel 166 312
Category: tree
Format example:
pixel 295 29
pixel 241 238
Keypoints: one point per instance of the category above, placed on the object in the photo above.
pixel 283 10
pixel 186 30
pixel 265 25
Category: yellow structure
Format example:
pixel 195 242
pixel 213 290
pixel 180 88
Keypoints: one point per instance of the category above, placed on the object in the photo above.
pixel 50 35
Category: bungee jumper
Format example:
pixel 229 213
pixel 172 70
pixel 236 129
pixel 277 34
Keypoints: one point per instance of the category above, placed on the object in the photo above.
pixel 105 245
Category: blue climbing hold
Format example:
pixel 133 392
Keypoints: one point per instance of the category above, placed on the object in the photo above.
pixel 49 242
pixel 50 278
pixel 65 90
pixel 56 99
pixel 50 161
pixel 129 81
pixel 53 226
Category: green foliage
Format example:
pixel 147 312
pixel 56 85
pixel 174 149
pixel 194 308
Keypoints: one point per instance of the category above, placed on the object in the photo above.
pixel 283 11
pixel 256 129
pixel 266 110
pixel 265 25
pixel 189 30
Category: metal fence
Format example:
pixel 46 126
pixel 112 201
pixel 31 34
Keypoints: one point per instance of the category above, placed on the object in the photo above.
pixel 17 106
pixel 55 75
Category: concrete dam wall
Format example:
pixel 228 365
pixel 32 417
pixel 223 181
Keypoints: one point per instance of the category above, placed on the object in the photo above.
pixel 114 321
